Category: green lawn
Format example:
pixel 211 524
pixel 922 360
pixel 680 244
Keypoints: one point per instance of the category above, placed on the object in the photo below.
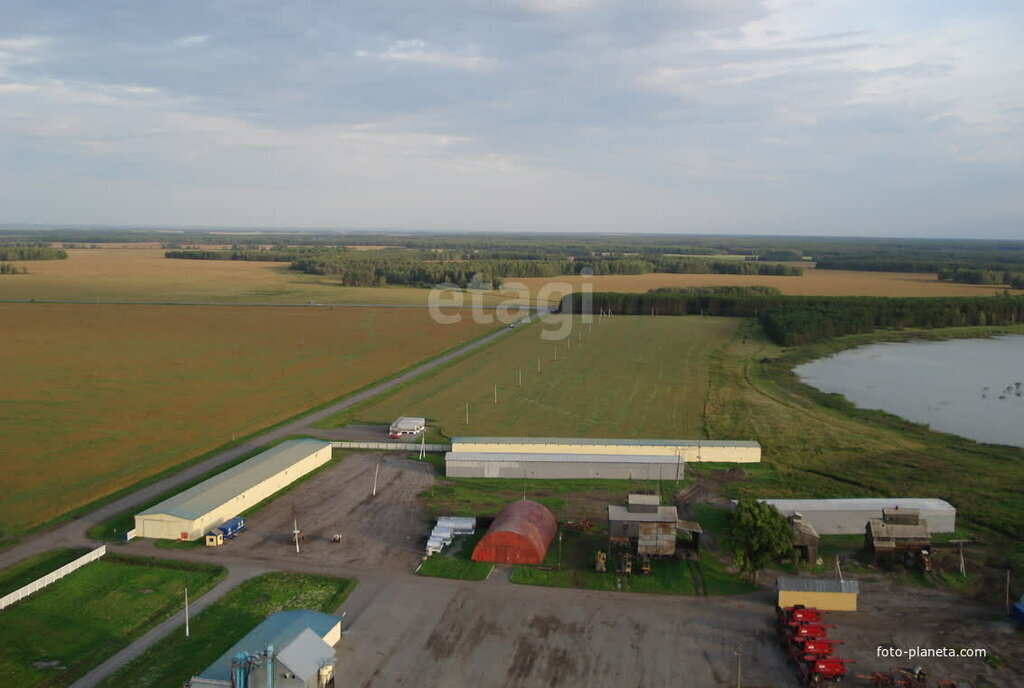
pixel 61 632
pixel 28 570
pixel 175 658
pixel 620 377
pixel 455 561
pixel 670 575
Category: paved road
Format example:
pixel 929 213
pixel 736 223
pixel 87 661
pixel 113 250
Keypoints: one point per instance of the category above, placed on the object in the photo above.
pixel 73 532
pixel 237 574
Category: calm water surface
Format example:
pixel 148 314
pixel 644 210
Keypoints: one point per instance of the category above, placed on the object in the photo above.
pixel 968 387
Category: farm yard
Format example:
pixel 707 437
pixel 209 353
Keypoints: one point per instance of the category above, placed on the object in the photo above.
pixel 619 377
pixel 104 396
pixel 812 282
pixel 55 636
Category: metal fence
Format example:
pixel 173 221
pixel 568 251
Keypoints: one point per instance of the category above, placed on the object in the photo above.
pixel 52 577
pixel 393 446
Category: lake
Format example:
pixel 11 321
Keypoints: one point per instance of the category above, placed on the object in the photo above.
pixel 968 387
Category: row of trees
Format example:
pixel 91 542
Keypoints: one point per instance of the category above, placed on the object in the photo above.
pixel 1015 279
pixel 25 252
pixel 268 255
pixel 795 320
pixel 12 269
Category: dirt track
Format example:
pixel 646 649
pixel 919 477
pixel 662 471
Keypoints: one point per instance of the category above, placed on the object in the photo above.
pixel 383 532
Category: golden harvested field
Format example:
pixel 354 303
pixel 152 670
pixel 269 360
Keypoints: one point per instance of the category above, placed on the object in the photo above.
pixel 95 398
pixel 812 283
pixel 629 377
pixel 143 274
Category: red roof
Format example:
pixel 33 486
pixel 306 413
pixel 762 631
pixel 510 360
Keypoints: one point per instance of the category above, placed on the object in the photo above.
pixel 520 534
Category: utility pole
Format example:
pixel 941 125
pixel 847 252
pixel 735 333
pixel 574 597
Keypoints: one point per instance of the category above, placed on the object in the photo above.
pixel 739 667
pixel 520 377
pixel 295 520
pixel 495 395
pixel 186 612
pixel 538 364
pixel 467 413
pixel 376 472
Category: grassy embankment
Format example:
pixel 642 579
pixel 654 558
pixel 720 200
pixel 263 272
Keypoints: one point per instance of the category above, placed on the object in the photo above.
pixel 174 659
pixel 57 635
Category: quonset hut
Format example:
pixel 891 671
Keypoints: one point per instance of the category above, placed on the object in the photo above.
pixel 520 534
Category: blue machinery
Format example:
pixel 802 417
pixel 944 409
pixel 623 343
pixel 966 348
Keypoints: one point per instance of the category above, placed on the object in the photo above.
pixel 244 663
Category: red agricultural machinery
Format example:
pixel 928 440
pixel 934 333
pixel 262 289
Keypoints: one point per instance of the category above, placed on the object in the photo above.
pixel 805 640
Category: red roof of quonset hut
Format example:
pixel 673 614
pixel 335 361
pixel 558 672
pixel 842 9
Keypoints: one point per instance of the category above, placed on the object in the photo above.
pixel 520 534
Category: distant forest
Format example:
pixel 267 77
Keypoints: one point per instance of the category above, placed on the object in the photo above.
pixel 794 320
pixel 31 252
pixel 418 267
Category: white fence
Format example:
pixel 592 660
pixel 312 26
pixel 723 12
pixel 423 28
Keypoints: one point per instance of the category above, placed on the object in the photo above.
pixel 393 446
pixel 52 577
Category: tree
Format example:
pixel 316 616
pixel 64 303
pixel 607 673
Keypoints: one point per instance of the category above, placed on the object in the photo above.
pixel 758 536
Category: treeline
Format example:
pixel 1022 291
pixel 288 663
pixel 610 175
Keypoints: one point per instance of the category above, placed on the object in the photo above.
pixel 19 252
pixel 12 269
pixel 1015 279
pixel 936 262
pixel 795 320
pixel 270 256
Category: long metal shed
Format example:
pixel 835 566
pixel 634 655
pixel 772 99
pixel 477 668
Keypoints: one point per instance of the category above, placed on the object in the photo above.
pixel 563 466
pixel 733 451
pixel 851 516
pixel 191 513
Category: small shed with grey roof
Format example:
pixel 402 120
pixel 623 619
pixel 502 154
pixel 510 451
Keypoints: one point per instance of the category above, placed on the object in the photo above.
pixel 193 512
pixel 645 522
pixel 829 594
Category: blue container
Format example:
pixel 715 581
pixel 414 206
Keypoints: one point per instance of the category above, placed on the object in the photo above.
pixel 1017 614
pixel 232 527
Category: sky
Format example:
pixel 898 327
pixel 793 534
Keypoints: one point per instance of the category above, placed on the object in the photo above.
pixel 875 118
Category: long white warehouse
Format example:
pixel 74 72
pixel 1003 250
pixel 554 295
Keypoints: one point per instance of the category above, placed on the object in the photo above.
pixel 850 516
pixel 680 450
pixel 563 466
pixel 190 514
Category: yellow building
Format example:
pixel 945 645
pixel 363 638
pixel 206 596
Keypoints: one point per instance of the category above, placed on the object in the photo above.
pixel 829 594
pixel 690 451
pixel 191 513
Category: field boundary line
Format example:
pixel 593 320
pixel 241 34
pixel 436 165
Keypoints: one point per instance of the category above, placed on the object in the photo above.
pixel 52 577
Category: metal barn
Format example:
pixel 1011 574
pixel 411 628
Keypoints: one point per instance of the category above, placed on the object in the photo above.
pixel 562 466
pixel 682 450
pixel 192 513
pixel 851 516
pixel 520 534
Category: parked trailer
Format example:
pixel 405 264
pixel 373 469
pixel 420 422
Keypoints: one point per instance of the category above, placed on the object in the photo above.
pixel 233 527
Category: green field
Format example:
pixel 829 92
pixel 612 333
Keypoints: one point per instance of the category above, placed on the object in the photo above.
pixel 820 445
pixel 61 632
pixel 175 658
pixel 28 570
pixel 619 377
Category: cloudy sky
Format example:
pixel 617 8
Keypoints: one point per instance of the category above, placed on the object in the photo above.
pixel 773 116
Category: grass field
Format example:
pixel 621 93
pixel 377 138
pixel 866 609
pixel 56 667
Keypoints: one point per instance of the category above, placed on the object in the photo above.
pixel 143 274
pixel 812 282
pixel 820 445
pixel 175 658
pixel 28 570
pixel 622 377
pixel 58 634
pixel 99 397
pixel 456 561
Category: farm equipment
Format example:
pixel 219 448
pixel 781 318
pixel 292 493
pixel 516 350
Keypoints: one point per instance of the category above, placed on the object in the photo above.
pixel 804 639
pixel 626 569
pixel 900 678
pixel 580 525
pixel 645 565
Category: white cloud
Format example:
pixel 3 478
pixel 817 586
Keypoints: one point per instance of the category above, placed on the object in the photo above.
pixel 197 39
pixel 421 52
